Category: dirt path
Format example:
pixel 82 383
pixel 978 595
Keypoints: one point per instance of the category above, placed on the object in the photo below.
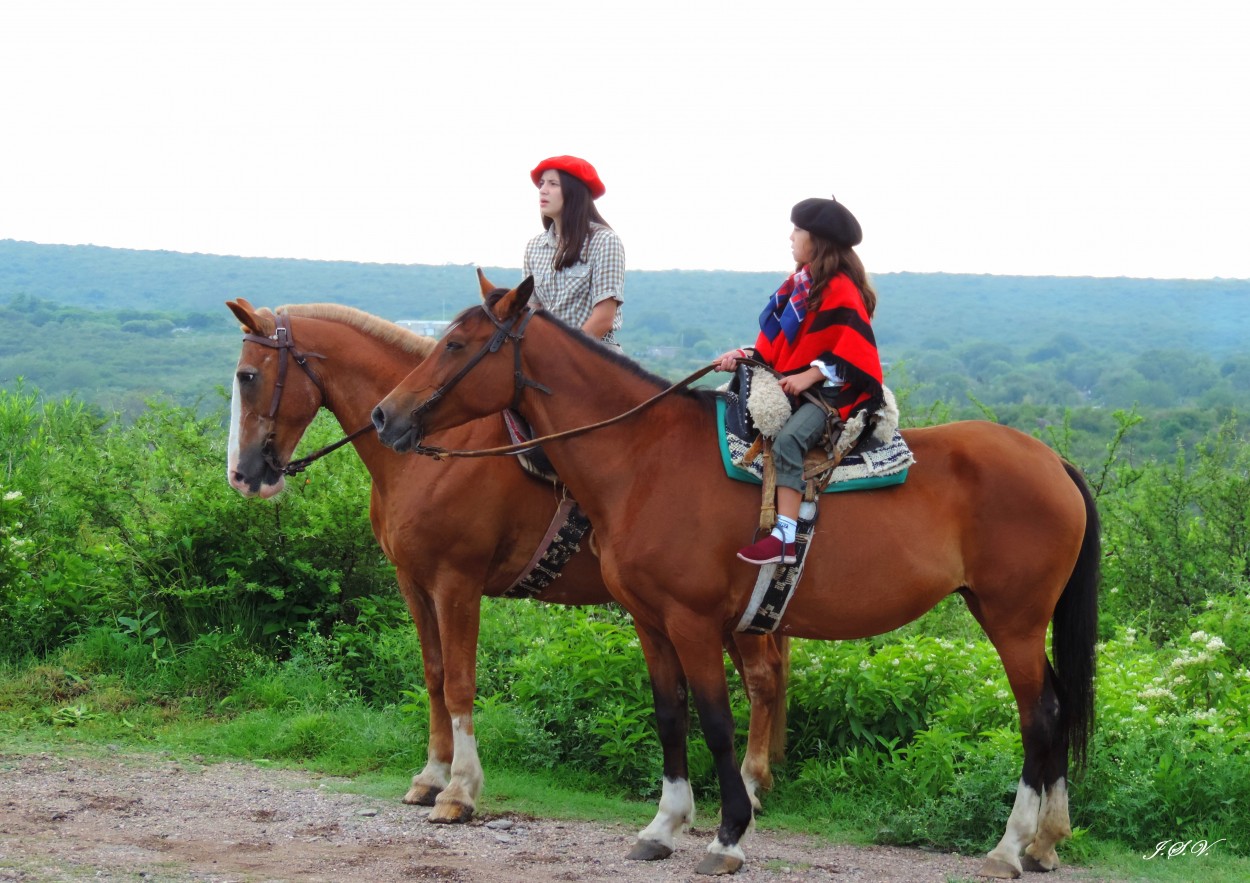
pixel 142 818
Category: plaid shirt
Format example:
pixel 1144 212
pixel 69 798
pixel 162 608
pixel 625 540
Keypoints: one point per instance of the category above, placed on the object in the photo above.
pixel 573 292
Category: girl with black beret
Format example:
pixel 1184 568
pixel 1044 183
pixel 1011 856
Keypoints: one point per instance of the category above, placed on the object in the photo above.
pixel 578 261
pixel 817 332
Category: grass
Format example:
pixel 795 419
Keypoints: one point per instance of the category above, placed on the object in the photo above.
pixel 277 719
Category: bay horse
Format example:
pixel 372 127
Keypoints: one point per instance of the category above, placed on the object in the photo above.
pixel 454 531
pixel 986 511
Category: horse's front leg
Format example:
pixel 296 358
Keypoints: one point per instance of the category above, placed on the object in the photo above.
pixel 458 625
pixel 672 715
pixel 430 782
pixel 705 671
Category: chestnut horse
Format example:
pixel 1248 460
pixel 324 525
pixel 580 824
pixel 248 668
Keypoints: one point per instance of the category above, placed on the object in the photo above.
pixel 454 531
pixel 987 512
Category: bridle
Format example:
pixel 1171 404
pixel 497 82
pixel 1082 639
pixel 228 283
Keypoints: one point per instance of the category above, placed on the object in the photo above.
pixel 283 341
pixel 512 330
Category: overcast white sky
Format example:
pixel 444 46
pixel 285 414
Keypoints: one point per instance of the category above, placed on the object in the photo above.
pixel 1067 138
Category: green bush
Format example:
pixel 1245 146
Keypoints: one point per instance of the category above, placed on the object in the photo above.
pixel 101 520
pixel 1176 535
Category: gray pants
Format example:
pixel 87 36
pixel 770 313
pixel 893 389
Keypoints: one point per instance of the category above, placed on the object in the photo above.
pixel 802 430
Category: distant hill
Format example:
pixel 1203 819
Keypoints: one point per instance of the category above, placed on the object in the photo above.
pixel 916 309
pixel 83 319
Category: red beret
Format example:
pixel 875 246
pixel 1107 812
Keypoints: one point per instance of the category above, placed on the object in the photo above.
pixel 575 166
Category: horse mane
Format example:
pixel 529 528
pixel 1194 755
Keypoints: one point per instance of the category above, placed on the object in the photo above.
pixel 609 353
pixel 367 323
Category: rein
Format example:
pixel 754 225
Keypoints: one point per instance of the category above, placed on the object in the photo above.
pixel 507 450
pixel 284 342
pixel 521 381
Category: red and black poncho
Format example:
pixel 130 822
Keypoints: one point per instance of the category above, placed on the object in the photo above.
pixel 838 333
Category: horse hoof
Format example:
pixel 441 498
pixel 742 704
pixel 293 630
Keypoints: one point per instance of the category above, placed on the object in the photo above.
pixel 715 864
pixel 649 851
pixel 450 812
pixel 422 795
pixel 1045 863
pixel 994 867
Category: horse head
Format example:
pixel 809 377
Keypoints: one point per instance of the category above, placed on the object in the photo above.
pixel 474 371
pixel 270 407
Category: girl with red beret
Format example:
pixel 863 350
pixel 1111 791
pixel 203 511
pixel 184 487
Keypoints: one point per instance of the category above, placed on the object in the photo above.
pixel 578 261
pixel 817 332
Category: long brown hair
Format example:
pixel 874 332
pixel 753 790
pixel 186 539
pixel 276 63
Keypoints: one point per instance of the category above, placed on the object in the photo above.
pixel 830 259
pixel 575 218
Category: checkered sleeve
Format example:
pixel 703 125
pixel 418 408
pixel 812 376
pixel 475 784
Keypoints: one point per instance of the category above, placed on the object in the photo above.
pixel 607 260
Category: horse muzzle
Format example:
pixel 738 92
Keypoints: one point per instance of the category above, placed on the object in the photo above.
pixel 255 479
pixel 400 432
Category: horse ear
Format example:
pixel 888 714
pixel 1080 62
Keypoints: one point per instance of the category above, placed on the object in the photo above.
pixel 246 314
pixel 485 284
pixel 512 303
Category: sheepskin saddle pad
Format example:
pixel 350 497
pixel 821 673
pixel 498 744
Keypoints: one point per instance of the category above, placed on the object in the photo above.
pixel 873 451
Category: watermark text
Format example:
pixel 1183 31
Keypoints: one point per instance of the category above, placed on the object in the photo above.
pixel 1172 848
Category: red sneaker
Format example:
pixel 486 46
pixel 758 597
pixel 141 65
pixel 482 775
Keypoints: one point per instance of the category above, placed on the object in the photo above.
pixel 769 550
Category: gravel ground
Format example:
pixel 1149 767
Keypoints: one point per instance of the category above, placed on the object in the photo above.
pixel 144 818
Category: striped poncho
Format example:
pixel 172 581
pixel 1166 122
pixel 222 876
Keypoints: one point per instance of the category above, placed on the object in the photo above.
pixel 838 333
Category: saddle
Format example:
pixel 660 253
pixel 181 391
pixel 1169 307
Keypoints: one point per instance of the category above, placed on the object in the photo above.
pixel 534 460
pixel 866 451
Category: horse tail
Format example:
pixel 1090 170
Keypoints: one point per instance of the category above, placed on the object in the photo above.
pixel 1075 631
pixel 777 738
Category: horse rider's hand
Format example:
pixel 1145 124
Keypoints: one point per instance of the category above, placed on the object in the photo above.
pixel 794 384
pixel 728 361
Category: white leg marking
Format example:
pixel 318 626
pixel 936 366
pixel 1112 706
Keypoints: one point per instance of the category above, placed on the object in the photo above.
pixel 735 851
pixel 466 768
pixel 435 774
pixel 675 813
pixel 1020 827
pixel 1053 825
pixel 753 788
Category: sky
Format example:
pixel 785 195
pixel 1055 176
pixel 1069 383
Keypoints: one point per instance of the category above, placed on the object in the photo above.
pixel 1090 138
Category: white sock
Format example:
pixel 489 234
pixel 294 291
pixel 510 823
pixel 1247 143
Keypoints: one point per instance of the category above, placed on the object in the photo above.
pixel 785 529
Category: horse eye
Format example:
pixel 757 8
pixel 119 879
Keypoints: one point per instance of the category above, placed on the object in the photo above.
pixel 455 345
pixel 246 376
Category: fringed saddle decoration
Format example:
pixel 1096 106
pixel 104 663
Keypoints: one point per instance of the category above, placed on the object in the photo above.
pixel 561 542
pixel 563 538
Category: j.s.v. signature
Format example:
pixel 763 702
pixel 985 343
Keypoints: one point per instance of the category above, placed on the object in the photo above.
pixel 1172 848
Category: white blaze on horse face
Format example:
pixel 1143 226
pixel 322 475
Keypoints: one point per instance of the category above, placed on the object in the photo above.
pixel 232 450
pixel 676 812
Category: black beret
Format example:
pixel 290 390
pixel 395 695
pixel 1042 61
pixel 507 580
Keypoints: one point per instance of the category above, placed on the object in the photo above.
pixel 828 219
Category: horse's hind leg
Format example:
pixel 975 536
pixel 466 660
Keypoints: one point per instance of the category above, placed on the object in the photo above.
pixel 1039 818
pixel 1053 824
pixel 760 663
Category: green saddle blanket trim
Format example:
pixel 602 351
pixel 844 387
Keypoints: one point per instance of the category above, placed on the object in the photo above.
pixel 739 474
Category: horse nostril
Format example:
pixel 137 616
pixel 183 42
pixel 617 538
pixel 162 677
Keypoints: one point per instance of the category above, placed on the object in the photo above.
pixel 379 418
